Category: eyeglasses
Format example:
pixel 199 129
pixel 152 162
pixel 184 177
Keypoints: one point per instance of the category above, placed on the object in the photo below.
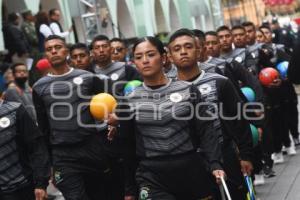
pixel 118 49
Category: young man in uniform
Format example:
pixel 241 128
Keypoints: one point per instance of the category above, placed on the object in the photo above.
pixel 24 158
pixel 80 57
pixel 120 74
pixel 253 48
pixel 282 99
pixel 226 43
pixel 232 70
pixel 80 166
pixel 119 50
pixel 219 91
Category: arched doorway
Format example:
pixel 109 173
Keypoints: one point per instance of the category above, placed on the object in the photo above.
pixel 125 23
pixel 174 18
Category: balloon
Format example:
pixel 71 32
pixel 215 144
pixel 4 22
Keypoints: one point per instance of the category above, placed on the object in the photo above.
pixel 43 64
pixel 255 134
pixel 248 93
pixel 101 105
pixel 131 85
pixel 282 68
pixel 268 75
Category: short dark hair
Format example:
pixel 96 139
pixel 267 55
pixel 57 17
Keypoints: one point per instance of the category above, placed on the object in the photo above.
pixel 199 34
pixel 15 65
pixel 266 27
pixel 118 40
pixel 248 23
pixel 181 32
pixel 52 11
pixel 259 30
pixel 99 38
pixel 223 28
pixel 238 27
pixel 154 41
pixel 79 46
pixel 212 33
pixel 26 13
pixel 55 37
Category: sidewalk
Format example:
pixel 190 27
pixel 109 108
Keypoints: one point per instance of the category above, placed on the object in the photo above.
pixel 286 184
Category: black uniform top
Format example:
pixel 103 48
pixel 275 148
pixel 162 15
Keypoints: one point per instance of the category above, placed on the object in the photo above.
pixel 294 67
pixel 165 122
pixel 237 74
pixel 252 57
pixel 237 54
pixel 62 105
pixel 286 92
pixel 119 73
pixel 23 152
pixel 219 91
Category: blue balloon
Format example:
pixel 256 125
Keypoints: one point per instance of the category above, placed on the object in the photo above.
pixel 248 93
pixel 282 68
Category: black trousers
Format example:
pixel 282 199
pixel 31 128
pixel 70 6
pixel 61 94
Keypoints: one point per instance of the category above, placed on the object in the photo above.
pixel 280 127
pixel 82 171
pixel 116 153
pixel 178 177
pixel 267 144
pixel 292 110
pixel 257 159
pixel 80 186
pixel 26 193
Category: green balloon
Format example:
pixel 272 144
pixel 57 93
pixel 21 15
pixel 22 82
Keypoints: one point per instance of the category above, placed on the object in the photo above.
pixel 255 135
pixel 131 85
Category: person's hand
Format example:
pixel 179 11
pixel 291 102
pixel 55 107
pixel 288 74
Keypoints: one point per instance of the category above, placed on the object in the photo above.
pixel 129 198
pixel 112 119
pixel 218 174
pixel 276 83
pixel 112 122
pixel 112 131
pixel 246 167
pixel 40 194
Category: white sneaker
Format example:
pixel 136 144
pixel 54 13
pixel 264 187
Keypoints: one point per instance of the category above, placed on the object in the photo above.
pixel 278 158
pixel 291 151
pixel 259 179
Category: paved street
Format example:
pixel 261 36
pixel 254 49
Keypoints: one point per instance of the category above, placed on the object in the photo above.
pixel 286 184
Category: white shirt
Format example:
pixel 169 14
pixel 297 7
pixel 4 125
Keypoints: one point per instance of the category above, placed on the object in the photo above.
pixel 45 30
pixel 56 31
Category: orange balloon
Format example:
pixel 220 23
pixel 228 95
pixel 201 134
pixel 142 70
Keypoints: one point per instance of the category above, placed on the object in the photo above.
pixel 101 105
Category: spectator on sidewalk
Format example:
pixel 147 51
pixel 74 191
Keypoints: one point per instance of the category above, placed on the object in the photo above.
pixel 28 27
pixel 42 28
pixel 15 40
pixel 54 15
pixel 20 91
